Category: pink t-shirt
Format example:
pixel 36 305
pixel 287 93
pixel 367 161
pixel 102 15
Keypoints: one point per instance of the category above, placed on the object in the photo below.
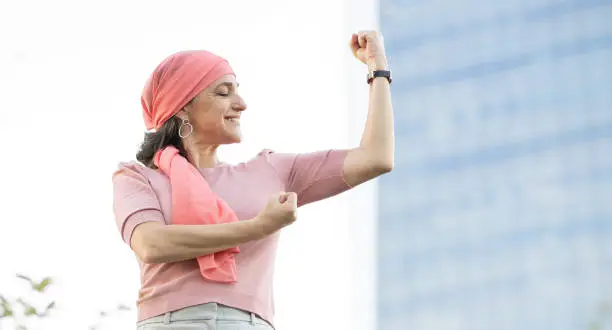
pixel 142 194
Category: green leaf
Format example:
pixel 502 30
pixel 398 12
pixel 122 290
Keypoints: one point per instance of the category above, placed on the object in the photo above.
pixel 40 287
pixel 6 312
pixel 28 310
pixel 6 309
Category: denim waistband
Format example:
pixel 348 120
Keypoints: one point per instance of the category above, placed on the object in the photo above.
pixel 205 312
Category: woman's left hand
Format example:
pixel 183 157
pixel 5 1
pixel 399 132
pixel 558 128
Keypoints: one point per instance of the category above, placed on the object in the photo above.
pixel 368 47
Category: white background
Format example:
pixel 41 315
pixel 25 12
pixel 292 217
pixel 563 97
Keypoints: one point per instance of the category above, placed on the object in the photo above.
pixel 70 80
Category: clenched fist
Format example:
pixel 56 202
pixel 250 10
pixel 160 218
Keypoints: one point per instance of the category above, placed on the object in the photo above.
pixel 281 211
pixel 368 47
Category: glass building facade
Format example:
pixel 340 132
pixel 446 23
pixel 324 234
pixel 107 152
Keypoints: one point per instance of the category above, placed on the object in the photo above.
pixel 498 214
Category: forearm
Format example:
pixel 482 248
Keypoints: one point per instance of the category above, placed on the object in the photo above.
pixel 171 243
pixel 377 140
pixel 375 154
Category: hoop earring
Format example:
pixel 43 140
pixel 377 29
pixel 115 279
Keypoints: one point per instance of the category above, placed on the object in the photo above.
pixel 185 123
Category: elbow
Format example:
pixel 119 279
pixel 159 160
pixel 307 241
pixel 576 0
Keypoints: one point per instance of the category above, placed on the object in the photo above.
pixel 380 160
pixel 150 255
pixel 155 251
pixel 383 167
pixel 147 247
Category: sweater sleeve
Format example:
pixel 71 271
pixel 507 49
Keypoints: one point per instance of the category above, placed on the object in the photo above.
pixel 312 176
pixel 134 201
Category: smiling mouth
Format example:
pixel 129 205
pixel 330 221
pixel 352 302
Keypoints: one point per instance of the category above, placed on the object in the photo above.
pixel 234 120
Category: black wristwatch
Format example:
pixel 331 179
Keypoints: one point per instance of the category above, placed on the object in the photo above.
pixel 379 73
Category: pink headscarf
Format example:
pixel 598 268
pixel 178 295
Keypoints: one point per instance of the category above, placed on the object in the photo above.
pixel 177 80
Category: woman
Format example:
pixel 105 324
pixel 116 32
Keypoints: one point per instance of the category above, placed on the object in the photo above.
pixel 205 233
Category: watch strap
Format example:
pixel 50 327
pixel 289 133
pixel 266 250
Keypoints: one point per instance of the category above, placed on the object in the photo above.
pixel 379 73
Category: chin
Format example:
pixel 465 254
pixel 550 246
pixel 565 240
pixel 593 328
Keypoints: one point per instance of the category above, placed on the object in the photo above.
pixel 232 139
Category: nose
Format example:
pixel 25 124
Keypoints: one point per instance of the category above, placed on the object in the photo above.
pixel 239 104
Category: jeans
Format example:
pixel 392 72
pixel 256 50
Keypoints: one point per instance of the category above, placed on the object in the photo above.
pixel 211 316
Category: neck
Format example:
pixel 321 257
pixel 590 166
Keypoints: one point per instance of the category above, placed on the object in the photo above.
pixel 202 155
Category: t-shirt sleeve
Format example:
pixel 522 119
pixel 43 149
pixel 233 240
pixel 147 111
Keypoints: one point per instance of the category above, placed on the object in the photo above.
pixel 134 201
pixel 312 176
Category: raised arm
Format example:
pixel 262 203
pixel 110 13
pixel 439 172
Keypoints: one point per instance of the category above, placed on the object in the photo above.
pixel 375 154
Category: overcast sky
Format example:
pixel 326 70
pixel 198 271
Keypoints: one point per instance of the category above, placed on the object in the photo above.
pixel 70 80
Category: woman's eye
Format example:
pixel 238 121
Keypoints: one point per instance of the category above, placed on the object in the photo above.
pixel 222 94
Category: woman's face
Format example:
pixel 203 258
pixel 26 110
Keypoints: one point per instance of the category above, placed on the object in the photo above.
pixel 215 113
